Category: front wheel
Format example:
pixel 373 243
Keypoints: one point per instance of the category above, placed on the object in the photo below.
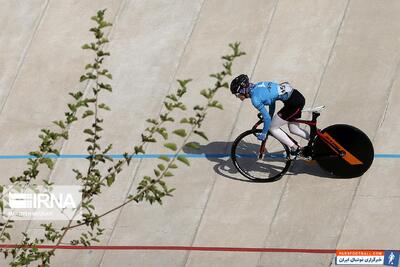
pixel 257 164
pixel 357 156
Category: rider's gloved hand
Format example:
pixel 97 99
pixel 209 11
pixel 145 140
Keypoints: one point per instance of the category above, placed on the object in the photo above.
pixel 261 136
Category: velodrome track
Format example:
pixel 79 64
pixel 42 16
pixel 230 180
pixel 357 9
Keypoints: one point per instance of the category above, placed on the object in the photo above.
pixel 343 54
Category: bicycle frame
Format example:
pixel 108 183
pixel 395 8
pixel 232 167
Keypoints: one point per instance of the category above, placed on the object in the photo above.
pixel 314 132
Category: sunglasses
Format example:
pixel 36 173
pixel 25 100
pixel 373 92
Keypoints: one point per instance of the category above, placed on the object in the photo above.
pixel 242 91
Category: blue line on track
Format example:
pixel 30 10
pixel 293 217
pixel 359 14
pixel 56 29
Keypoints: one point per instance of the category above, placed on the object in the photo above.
pixel 388 156
pixel 153 156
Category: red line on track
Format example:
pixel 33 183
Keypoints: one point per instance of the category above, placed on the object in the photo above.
pixel 178 248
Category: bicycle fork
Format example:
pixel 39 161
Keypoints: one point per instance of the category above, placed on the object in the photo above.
pixel 262 148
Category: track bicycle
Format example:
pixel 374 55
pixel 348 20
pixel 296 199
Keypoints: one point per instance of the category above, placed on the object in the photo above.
pixel 341 150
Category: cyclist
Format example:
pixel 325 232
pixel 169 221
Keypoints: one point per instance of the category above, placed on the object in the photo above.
pixel 267 93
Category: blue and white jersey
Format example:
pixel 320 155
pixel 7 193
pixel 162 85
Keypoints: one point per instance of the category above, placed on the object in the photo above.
pixel 266 93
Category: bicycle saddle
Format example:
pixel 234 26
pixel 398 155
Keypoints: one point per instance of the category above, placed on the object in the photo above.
pixel 316 109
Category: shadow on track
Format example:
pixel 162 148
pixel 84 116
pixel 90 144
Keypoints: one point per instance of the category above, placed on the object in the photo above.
pixel 219 153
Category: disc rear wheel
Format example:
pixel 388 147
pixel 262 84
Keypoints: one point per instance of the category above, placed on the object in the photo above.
pixel 354 141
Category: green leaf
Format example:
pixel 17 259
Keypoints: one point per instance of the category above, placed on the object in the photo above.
pixel 165 158
pixel 179 105
pixel 72 107
pixel 164 117
pixel 170 191
pixel 54 151
pixel 215 104
pixel 77 95
pixel 89 140
pixel 83 78
pixel 171 146
pixel 150 129
pixel 193 145
pixel 207 93
pixel 104 106
pixel 183 83
pixel 156 172
pixel 163 132
pixel 104 40
pixel 86 46
pixel 7 235
pixel 168 174
pixel 109 158
pixel 180 132
pixel 172 97
pixel 97 128
pixel 59 124
pixel 173 166
pixel 148 139
pixel 168 106
pixel 202 134
pixel 88 131
pixel 184 160
pixel 87 113
pixel 161 167
pixel 102 54
pixel 90 100
pixel 197 107
pixel 49 162
pixel 153 121
pixel 228 67
pixel 47 182
pixel 1 205
pixel 104 24
pixel 139 149
pixel 190 120
pixel 64 135
pixel 217 76
pixel 184 120
pixel 109 147
pixel 105 86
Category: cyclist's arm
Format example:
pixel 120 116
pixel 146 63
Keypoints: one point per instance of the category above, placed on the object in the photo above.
pixel 266 117
pixel 272 110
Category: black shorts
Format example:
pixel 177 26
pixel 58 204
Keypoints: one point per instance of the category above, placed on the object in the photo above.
pixel 292 107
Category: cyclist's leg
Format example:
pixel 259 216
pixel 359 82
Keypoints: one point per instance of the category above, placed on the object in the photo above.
pixel 275 129
pixel 291 110
pixel 294 128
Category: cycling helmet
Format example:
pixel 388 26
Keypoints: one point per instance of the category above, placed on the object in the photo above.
pixel 241 81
